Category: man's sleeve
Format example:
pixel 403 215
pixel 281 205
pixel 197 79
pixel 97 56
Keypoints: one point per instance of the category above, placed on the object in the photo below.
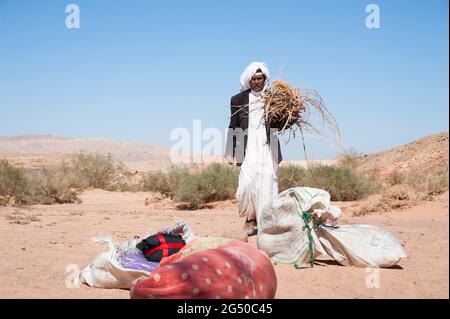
pixel 234 124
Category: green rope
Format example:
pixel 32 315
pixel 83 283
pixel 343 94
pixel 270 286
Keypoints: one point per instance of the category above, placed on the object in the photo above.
pixel 307 217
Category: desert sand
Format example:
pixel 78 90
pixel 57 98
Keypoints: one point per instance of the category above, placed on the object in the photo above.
pixel 41 243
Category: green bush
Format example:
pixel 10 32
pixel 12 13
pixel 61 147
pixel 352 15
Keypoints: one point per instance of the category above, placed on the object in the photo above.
pixel 95 170
pixel 14 185
pixel 291 176
pixel 214 183
pixel 349 159
pixel 342 183
pixel 45 188
pixel 165 182
pixel 61 184
pixel 219 182
pixel 57 186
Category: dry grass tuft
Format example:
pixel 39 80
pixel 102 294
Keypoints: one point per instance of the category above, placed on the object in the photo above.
pixel 20 218
pixel 397 197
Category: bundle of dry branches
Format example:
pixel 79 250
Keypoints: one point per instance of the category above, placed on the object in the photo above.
pixel 292 109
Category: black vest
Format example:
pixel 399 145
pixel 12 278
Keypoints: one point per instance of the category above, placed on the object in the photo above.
pixel 237 130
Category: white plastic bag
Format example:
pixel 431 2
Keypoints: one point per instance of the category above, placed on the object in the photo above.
pixel 106 271
pixel 284 235
pixel 361 245
pixel 281 232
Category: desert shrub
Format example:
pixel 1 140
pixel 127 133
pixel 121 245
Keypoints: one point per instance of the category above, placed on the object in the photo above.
pixel 219 182
pixel 382 205
pixel 195 187
pixel 56 186
pixel 429 183
pixel 348 159
pixel 125 181
pixel 213 183
pixel 46 188
pixel 20 218
pixel 63 184
pixel 95 170
pixel 397 197
pixel 396 178
pixel 366 209
pixel 342 183
pixel 14 185
pixel 437 182
pixel 165 182
pixel 398 192
pixel 291 176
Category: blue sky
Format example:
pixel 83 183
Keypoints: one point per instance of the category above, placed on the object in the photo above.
pixel 135 70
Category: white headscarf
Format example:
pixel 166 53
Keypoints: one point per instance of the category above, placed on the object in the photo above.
pixel 250 71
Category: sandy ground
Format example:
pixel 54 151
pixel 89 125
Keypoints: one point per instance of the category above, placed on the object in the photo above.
pixel 51 240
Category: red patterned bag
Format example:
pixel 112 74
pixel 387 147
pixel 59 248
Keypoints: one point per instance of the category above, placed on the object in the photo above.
pixel 235 270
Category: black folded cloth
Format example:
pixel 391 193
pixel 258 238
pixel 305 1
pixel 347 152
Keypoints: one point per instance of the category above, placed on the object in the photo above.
pixel 160 245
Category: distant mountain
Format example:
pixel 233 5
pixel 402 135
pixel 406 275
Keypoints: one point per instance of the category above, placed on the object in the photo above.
pixel 49 149
pixel 34 151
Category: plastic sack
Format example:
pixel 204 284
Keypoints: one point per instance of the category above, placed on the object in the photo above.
pixel 281 228
pixel 361 245
pixel 106 271
pixel 137 261
pixel 235 270
pixel 295 229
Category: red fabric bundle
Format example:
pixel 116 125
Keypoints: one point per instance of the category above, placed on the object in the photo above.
pixel 235 270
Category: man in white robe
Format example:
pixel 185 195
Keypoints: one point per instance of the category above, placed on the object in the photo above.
pixel 258 176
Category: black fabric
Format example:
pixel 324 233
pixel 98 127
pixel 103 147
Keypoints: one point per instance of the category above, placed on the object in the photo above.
pixel 239 119
pixel 153 241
